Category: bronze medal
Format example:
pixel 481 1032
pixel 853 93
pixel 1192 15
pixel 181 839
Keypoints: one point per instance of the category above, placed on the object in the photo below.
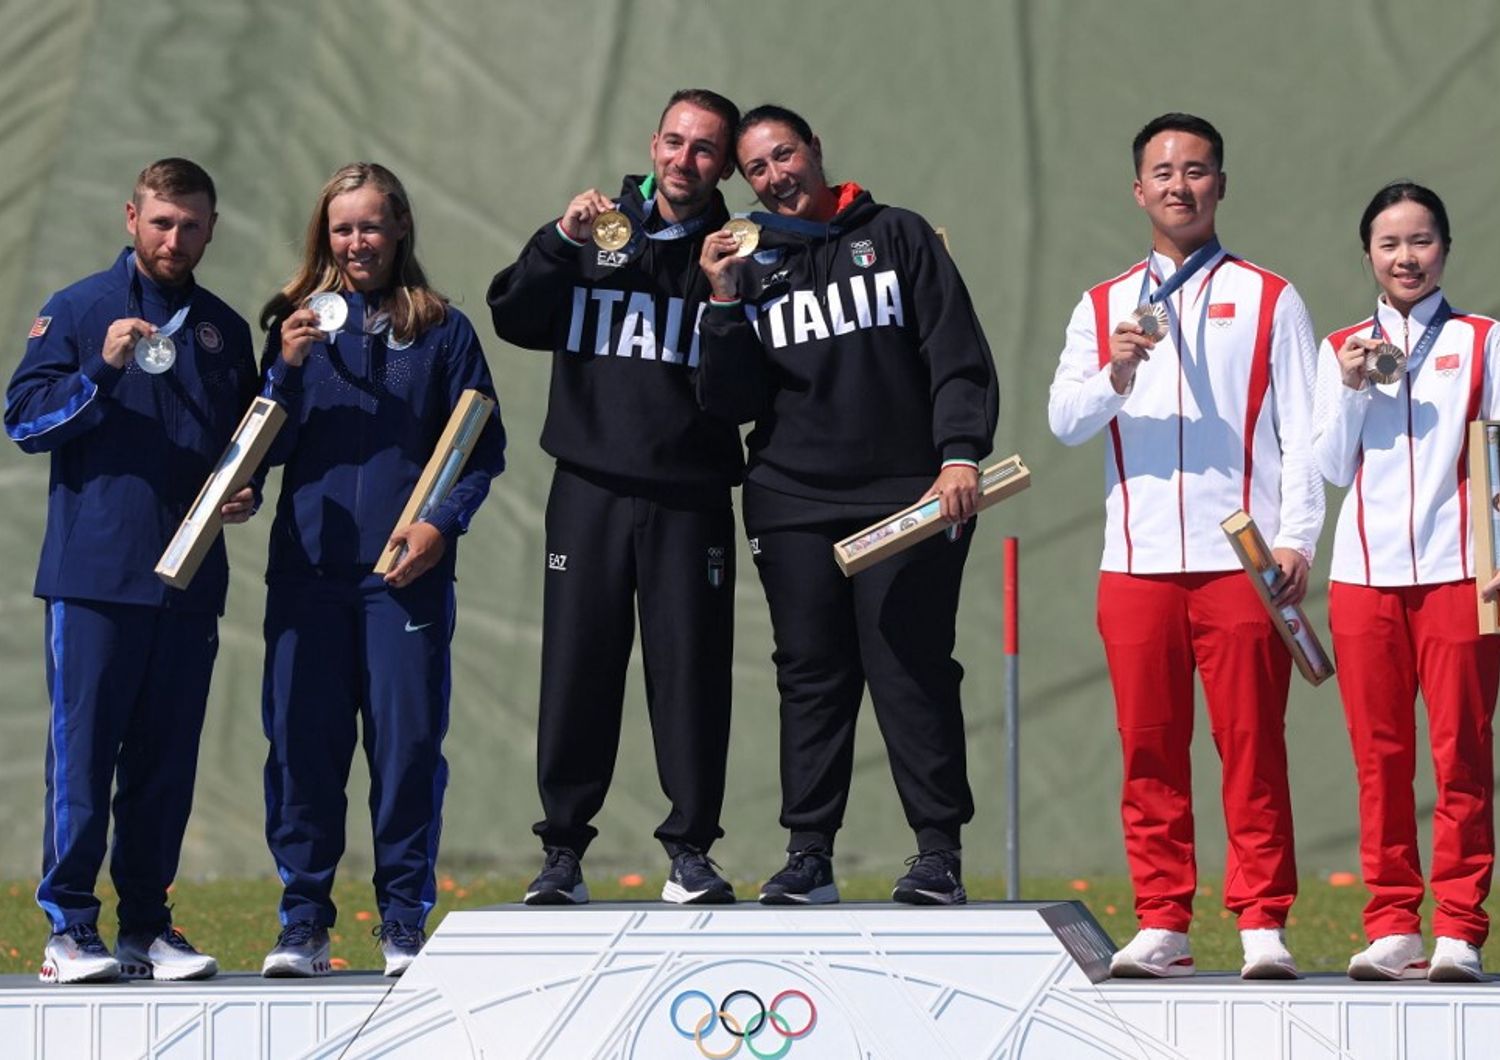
pixel 1386 363
pixel 612 230
pixel 746 234
pixel 1151 318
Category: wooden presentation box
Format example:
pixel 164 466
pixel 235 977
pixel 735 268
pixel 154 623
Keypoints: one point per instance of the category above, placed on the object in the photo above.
pixel 1484 513
pixel 441 473
pixel 923 519
pixel 200 527
pixel 1291 622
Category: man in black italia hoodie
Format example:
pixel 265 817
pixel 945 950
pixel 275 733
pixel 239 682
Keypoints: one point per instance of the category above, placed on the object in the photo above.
pixel 849 338
pixel 639 515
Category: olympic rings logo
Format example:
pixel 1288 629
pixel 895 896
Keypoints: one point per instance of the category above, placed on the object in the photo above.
pixel 743 1032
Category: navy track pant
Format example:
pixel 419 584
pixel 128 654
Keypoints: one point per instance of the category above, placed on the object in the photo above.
pixel 128 685
pixel 344 662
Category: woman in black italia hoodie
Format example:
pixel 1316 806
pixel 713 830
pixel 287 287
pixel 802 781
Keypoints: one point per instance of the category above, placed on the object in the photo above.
pixel 849 338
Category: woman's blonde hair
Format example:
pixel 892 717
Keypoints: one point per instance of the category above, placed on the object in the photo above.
pixel 412 303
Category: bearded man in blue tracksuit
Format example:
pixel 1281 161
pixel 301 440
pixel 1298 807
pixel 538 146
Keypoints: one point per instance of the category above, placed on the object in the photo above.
pixel 133 380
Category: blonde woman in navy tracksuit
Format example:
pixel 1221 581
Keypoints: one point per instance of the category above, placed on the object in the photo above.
pixel 366 405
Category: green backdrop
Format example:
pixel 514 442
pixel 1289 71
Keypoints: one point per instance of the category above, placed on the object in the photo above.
pixel 1007 122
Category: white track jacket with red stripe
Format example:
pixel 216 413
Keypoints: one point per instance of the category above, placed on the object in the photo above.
pixel 1403 448
pixel 1216 420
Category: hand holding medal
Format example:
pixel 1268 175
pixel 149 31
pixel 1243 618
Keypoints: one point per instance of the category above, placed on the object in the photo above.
pixel 1131 342
pixel 122 339
pixel 318 321
pixel 579 220
pixel 723 256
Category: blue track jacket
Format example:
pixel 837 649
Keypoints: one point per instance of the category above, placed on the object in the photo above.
pixel 130 450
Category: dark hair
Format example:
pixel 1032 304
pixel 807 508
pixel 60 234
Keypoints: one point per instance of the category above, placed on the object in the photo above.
pixel 1404 191
pixel 1178 122
pixel 773 112
pixel 175 178
pixel 705 99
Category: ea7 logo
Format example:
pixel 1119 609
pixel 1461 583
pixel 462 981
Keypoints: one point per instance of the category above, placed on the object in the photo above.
pixel 863 252
pixel 612 259
pixel 755 546
pixel 557 561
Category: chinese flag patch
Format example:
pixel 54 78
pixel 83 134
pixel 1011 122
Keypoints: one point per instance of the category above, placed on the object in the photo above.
pixel 39 328
pixel 1221 311
pixel 1448 362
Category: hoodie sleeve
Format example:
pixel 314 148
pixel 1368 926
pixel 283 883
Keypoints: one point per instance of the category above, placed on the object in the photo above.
pixel 528 300
pixel 465 369
pixel 964 389
pixel 282 383
pixel 59 391
pixel 733 379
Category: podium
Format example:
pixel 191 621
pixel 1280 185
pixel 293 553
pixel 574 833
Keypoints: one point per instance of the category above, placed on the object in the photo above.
pixel 866 981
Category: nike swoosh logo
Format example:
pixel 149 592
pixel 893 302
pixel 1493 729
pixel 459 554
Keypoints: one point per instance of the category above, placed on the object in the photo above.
pixel 412 629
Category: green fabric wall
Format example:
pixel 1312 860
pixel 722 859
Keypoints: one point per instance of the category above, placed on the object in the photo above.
pixel 1007 122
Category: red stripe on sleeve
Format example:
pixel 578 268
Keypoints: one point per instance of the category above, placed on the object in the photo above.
pixel 1260 369
pixel 1102 328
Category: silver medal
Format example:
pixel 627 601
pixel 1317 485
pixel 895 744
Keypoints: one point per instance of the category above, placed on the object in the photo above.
pixel 155 354
pixel 331 310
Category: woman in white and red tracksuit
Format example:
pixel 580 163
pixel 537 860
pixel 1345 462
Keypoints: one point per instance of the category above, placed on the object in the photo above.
pixel 1402 606
pixel 850 339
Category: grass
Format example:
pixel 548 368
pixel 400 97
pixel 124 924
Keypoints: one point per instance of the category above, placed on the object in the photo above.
pixel 236 919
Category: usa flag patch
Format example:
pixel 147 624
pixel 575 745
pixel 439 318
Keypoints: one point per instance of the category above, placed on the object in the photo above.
pixel 39 328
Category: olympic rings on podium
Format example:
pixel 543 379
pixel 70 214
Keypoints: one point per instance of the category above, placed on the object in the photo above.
pixel 742 1033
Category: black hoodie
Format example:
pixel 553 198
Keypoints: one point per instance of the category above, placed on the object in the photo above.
pixel 857 353
pixel 623 329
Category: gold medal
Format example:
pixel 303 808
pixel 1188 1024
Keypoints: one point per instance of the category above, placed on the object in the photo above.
pixel 1151 318
pixel 611 230
pixel 1386 363
pixel 746 234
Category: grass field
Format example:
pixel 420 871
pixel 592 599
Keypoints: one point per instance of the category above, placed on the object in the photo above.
pixel 236 919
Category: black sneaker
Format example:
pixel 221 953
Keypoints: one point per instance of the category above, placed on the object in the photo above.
pixel 933 877
pixel 694 880
pixel 806 879
pixel 560 882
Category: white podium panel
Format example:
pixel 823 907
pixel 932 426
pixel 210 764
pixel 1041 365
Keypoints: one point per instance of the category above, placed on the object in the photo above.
pixel 638 981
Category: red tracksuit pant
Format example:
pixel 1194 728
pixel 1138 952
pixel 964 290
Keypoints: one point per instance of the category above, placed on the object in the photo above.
pixel 1157 629
pixel 1389 642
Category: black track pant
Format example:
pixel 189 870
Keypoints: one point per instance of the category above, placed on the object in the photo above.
pixel 891 625
pixel 610 553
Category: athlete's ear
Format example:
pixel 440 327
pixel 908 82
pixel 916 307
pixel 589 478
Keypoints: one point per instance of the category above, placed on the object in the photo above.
pixel 1223 184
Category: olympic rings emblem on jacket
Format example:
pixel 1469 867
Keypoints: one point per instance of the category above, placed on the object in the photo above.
pixel 742 1033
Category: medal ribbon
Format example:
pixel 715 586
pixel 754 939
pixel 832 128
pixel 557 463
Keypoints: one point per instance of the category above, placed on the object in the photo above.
pixel 680 230
pixel 1439 317
pixel 1193 263
pixel 794 225
pixel 133 303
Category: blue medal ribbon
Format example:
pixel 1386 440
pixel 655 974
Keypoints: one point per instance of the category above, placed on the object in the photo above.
pixel 1440 317
pixel 793 225
pixel 638 218
pixel 133 303
pixel 1195 261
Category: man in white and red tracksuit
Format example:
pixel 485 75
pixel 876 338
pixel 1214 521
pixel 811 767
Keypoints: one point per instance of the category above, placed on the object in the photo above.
pixel 1198 367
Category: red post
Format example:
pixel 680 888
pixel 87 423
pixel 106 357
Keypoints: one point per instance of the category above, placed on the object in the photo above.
pixel 1012 597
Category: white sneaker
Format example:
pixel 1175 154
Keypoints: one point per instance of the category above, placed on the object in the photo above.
pixel 301 951
pixel 1390 957
pixel 1154 953
pixel 1266 955
pixel 399 945
pixel 1455 961
pixel 78 955
pixel 167 957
